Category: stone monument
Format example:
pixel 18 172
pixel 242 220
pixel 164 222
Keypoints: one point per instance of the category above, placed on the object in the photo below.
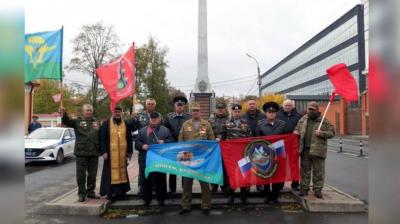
pixel 202 92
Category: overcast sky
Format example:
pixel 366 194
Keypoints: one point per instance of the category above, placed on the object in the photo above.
pixel 269 30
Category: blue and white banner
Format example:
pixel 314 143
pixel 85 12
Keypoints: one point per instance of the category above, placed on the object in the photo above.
pixel 200 160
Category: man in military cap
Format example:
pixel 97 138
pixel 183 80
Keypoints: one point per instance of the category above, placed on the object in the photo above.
pixel 142 120
pixel 235 128
pixel 195 129
pixel 35 124
pixel 217 122
pixel 154 133
pixel 173 122
pixel 116 149
pixel 271 126
pixel 313 149
pixel 86 150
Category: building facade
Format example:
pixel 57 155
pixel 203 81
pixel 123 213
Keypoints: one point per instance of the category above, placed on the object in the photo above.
pixel 301 76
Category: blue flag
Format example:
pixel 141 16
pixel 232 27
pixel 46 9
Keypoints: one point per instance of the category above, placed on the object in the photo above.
pixel 43 55
pixel 200 160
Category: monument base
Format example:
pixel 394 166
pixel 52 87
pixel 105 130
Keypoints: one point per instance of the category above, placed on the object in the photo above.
pixel 206 101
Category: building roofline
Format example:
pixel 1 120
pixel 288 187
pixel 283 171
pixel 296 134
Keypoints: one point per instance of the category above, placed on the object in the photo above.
pixel 348 15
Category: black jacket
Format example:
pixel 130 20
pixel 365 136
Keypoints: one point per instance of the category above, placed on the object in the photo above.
pixel 160 133
pixel 291 119
pixel 174 123
pixel 252 120
pixel 265 129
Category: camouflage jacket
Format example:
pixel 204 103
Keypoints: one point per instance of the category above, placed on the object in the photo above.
pixel 233 131
pixel 217 123
pixel 87 135
pixel 318 145
pixel 188 131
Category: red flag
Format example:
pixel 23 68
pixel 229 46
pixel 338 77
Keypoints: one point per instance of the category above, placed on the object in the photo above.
pixel 57 98
pixel 261 160
pixel 118 77
pixel 344 82
pixel 378 83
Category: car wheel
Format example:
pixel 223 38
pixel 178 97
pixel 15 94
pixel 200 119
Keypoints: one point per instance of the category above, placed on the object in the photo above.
pixel 60 156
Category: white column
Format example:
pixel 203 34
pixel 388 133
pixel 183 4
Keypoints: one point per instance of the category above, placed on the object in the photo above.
pixel 202 56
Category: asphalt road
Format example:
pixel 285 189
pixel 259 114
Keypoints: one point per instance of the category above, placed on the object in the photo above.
pixel 350 146
pixel 223 216
pixel 348 173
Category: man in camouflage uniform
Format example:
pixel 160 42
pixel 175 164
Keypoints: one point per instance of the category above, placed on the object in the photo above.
pixel 142 119
pixel 217 122
pixel 313 149
pixel 173 122
pixel 87 150
pixel 236 128
pixel 195 129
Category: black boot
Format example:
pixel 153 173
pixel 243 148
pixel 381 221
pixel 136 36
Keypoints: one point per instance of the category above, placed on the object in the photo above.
pixel 81 198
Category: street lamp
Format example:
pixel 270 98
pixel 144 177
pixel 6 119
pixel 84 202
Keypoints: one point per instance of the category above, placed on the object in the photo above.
pixel 259 76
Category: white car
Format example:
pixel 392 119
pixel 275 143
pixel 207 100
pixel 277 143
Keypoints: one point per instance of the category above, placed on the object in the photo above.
pixel 49 144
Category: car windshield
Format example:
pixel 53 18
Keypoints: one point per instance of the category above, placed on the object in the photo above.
pixel 45 133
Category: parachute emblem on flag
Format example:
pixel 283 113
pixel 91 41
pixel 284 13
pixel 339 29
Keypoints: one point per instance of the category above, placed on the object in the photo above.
pixel 37 50
pixel 263 157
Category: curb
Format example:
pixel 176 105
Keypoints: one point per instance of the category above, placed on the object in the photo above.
pixel 335 201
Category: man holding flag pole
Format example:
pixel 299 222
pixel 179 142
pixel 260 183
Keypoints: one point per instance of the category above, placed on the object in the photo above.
pixel 314 130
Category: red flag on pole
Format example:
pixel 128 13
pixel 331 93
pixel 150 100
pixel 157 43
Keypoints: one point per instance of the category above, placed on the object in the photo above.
pixel 344 82
pixel 261 160
pixel 118 77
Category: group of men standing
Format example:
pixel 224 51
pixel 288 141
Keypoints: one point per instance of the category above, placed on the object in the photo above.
pixel 113 141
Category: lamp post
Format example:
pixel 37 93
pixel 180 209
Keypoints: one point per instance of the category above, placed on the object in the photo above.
pixel 259 75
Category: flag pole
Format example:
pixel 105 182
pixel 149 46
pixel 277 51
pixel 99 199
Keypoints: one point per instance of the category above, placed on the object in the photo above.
pixel 134 75
pixel 61 67
pixel 326 110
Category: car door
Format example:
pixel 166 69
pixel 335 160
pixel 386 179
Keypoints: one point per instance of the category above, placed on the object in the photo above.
pixel 72 132
pixel 67 142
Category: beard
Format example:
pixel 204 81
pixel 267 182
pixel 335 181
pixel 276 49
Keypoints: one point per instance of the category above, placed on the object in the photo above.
pixel 314 115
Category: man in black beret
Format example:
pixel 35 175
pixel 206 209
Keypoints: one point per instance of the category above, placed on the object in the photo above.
pixel 271 126
pixel 173 122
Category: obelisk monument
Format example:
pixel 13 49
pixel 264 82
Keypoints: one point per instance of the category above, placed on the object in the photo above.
pixel 202 90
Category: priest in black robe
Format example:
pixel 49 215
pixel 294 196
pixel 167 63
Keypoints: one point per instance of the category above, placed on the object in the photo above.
pixel 116 150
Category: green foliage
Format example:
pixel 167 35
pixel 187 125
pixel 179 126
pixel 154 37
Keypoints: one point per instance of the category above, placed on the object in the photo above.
pixel 151 75
pixel 43 102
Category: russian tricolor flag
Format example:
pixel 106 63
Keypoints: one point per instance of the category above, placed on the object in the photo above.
pixel 280 148
pixel 244 165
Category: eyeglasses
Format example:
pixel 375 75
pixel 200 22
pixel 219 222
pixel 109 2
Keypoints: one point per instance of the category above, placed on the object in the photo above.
pixel 311 109
pixel 195 110
pixel 220 107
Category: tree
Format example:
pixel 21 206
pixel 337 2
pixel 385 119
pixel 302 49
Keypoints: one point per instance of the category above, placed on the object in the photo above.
pixel 43 102
pixel 278 98
pixel 151 74
pixel 95 44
